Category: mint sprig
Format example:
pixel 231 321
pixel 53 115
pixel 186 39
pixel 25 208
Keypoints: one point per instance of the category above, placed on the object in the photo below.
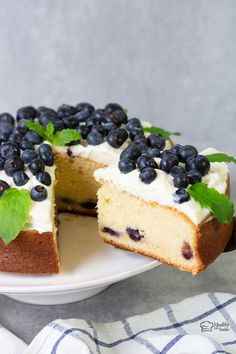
pixel 14 211
pixel 164 133
pixel 59 138
pixel 220 205
pixel 220 157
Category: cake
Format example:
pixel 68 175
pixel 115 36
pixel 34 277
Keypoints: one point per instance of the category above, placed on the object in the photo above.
pixel 57 160
pixel 145 218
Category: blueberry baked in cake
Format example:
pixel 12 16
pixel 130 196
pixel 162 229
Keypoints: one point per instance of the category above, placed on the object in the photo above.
pixel 169 204
pixel 151 198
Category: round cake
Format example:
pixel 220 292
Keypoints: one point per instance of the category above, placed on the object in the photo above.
pixel 148 191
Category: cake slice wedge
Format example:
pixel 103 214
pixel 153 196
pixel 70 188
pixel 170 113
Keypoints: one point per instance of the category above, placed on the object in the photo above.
pixel 145 218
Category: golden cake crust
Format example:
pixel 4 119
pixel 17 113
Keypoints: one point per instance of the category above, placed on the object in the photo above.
pixel 30 252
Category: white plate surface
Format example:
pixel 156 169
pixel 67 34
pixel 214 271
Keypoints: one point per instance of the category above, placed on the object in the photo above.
pixel 87 263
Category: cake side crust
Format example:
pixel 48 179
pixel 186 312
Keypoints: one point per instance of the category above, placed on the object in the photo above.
pixel 30 253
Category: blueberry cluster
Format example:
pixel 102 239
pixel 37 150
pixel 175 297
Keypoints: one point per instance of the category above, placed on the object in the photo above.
pixel 20 147
pixel 94 125
pixel 183 163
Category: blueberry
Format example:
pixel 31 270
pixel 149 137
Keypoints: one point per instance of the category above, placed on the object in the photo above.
pixel 94 138
pixel 65 111
pixel 44 148
pixel 134 234
pixel 117 137
pixel 9 149
pixel 39 193
pixel 42 109
pixel 44 178
pixel 147 175
pixel 154 152
pixel 109 126
pixel 175 149
pixel 28 155
pixel 15 137
pixel 181 181
pixel 186 151
pixel 20 178
pixel 25 144
pixel 33 137
pixel 110 231
pixel 83 131
pixel 132 152
pixel 3 186
pixel 133 122
pixel 2 161
pixel 168 161
pixel 7 118
pixel 28 113
pixel 100 129
pixel 140 139
pixel 186 251
pixel 156 141
pixel 70 122
pixel 168 152
pixel 82 116
pixel 143 148
pixel 146 161
pixel 194 176
pixel 48 158
pixel 91 121
pixel 84 106
pixel 36 166
pixel 22 128
pixel 119 117
pixel 99 113
pixel 126 165
pixel 202 164
pixel 58 125
pixel 176 170
pixel 5 131
pixel 190 163
pixel 181 196
pixel 111 107
pixel 48 116
pixel 134 132
pixel 13 164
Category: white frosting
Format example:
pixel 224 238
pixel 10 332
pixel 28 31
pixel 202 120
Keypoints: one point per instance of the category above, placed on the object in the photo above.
pixel 40 213
pixel 161 190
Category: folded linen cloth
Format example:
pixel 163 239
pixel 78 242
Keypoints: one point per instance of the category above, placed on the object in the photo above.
pixel 203 324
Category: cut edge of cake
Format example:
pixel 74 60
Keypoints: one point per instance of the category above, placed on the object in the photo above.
pixel 192 248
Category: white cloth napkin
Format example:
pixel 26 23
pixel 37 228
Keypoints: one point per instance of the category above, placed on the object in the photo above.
pixel 203 324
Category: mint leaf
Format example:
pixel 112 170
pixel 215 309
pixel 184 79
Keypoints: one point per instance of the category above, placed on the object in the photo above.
pixel 164 133
pixel 65 136
pixel 221 205
pixel 220 157
pixel 60 138
pixel 14 212
pixel 36 127
pixel 49 131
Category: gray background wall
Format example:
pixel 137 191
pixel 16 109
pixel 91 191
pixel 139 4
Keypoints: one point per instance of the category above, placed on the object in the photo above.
pixel 169 61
